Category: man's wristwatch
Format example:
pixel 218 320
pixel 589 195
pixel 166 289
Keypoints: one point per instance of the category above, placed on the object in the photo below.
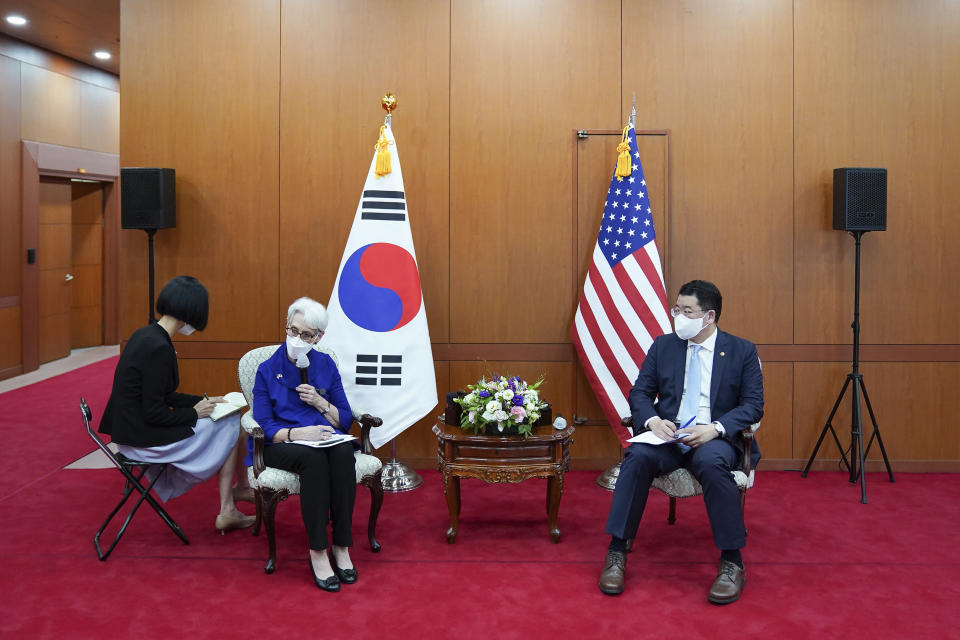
pixel 720 431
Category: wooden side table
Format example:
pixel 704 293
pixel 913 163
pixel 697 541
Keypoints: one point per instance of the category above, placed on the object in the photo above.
pixel 499 459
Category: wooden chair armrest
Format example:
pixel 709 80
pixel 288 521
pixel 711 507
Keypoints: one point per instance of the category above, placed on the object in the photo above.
pixel 747 464
pixel 258 444
pixel 367 422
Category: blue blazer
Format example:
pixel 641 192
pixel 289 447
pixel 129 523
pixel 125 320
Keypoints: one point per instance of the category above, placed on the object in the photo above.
pixel 277 405
pixel 736 385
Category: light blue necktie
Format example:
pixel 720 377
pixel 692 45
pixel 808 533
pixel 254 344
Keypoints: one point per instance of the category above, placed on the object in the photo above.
pixel 691 400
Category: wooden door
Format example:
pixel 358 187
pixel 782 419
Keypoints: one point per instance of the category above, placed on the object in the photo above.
pixel 86 312
pixel 596 159
pixel 54 261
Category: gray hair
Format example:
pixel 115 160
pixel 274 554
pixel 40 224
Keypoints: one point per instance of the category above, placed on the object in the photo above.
pixel 314 313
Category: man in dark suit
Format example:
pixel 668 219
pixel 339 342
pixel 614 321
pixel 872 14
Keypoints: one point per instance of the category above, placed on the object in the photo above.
pixel 697 390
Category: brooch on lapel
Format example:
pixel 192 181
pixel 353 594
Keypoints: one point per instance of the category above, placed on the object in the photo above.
pixel 722 354
pixel 279 376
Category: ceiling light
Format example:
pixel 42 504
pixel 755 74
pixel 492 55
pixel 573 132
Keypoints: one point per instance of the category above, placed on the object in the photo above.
pixel 103 55
pixel 17 21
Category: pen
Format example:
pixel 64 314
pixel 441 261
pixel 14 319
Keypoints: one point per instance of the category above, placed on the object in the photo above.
pixel 206 397
pixel 677 437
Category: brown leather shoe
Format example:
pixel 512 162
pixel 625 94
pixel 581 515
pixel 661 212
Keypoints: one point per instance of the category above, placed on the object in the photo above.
pixel 614 569
pixel 729 583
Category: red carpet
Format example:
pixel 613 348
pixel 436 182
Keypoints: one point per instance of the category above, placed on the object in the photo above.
pixel 43 419
pixel 819 564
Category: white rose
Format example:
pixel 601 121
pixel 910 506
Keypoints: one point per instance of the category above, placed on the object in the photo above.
pixel 488 416
pixel 493 405
pixel 507 394
pixel 500 415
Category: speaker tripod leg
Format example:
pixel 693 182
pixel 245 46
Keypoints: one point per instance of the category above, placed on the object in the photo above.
pixel 876 433
pixel 829 426
pixel 856 439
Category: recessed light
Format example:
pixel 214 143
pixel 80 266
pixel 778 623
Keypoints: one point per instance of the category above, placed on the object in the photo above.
pixel 103 55
pixel 17 21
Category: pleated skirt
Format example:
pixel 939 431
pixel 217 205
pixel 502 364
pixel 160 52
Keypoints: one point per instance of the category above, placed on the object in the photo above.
pixel 191 461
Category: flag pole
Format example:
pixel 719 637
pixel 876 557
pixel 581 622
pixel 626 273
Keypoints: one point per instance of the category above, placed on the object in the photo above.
pixel 396 475
pixel 608 479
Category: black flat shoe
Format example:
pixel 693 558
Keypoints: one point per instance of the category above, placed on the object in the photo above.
pixel 347 576
pixel 327 584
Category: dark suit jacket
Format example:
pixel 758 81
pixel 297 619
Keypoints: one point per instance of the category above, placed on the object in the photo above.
pixel 145 409
pixel 736 385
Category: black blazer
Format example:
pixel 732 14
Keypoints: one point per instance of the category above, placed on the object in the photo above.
pixel 145 409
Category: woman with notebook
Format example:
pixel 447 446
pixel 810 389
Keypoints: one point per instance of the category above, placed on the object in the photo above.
pixel 151 421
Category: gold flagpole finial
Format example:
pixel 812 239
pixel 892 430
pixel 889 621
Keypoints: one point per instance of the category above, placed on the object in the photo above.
pixel 388 102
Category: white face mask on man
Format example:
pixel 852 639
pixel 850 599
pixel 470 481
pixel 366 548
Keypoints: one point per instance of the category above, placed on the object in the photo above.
pixel 687 328
pixel 296 347
pixel 186 330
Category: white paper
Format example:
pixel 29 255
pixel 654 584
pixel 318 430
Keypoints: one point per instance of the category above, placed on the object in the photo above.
pixel 232 402
pixel 317 444
pixel 649 437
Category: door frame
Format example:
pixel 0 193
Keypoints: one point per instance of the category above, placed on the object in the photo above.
pixel 50 160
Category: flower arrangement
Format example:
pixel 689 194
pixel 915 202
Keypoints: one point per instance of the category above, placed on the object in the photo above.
pixel 502 402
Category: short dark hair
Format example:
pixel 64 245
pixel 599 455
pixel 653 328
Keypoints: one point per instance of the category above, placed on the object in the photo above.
pixel 707 295
pixel 185 299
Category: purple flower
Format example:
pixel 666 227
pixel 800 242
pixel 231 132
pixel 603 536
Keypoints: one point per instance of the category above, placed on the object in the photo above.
pixel 484 393
pixel 517 401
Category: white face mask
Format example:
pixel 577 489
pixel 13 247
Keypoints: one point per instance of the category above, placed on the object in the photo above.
pixel 296 347
pixel 687 328
pixel 186 330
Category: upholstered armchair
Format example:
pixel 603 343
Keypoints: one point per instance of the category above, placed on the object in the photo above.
pixel 273 485
pixel 681 483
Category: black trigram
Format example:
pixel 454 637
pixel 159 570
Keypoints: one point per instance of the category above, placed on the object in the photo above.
pixel 383 370
pixel 388 206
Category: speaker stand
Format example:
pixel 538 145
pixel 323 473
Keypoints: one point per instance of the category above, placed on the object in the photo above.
pixel 857 452
pixel 150 317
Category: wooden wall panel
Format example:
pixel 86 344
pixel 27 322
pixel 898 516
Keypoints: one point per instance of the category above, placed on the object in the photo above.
pixel 209 108
pixel 50 107
pixel 776 427
pixel 417 446
pixel 268 110
pixel 915 417
pixel 212 377
pixel 10 255
pixel 10 352
pixel 512 111
pixel 99 119
pixel 876 86
pixel 334 72
pixel 718 76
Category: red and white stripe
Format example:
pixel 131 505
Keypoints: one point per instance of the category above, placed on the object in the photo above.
pixel 621 311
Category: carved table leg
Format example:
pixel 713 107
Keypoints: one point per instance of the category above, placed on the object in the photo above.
pixel 451 489
pixel 554 491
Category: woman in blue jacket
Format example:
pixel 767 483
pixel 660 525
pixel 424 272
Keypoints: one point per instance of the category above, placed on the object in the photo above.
pixel 296 405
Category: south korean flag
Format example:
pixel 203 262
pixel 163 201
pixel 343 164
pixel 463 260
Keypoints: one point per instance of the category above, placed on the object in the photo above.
pixel 378 324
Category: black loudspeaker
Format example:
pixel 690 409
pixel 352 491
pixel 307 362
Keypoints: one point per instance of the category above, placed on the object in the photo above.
pixel 148 198
pixel 860 199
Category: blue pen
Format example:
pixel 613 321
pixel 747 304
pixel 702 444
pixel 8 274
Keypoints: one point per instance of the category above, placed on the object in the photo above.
pixel 676 437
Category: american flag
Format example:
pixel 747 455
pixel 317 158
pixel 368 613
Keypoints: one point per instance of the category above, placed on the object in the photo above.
pixel 624 302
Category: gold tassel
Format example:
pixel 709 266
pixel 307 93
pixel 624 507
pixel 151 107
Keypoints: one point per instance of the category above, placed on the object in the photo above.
pixel 383 154
pixel 624 167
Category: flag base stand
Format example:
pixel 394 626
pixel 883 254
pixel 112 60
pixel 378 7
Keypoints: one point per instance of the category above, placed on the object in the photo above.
pixel 608 479
pixel 397 476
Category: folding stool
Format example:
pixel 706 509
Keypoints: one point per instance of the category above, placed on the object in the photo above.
pixel 128 468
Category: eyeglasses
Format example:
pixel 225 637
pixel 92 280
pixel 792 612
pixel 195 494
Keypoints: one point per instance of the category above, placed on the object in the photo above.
pixel 687 311
pixel 306 336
